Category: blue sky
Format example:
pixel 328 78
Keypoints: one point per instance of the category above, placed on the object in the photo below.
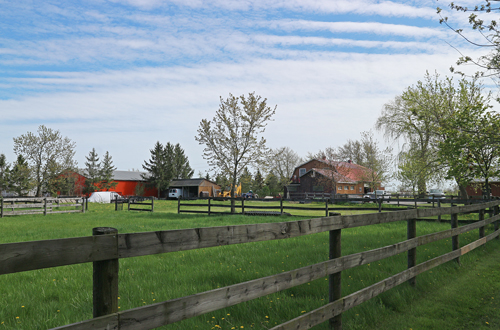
pixel 120 75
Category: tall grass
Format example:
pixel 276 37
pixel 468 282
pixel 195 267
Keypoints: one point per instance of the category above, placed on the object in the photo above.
pixel 52 297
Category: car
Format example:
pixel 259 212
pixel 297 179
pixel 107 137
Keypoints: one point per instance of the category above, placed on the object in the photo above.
pixel 377 195
pixel 436 194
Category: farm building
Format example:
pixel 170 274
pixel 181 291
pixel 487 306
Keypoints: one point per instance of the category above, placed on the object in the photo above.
pixel 476 188
pixel 317 176
pixel 127 182
pixel 196 187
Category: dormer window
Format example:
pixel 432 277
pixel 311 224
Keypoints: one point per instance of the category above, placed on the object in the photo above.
pixel 302 171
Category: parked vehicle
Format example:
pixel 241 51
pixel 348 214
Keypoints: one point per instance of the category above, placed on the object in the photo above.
pixel 104 197
pixel 227 192
pixel 377 195
pixel 175 193
pixel 436 194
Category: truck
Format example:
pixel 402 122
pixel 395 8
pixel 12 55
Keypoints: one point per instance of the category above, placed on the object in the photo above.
pixel 175 193
pixel 227 193
pixel 377 195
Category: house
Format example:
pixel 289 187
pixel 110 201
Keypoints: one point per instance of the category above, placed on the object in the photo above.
pixel 127 182
pixel 196 187
pixel 318 175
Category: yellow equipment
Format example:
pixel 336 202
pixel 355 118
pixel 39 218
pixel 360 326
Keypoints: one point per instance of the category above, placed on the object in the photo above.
pixel 227 192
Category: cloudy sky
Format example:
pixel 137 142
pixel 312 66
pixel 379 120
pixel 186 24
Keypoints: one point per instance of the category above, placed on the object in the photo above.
pixel 119 75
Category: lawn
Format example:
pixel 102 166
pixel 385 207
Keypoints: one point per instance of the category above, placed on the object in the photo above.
pixel 448 297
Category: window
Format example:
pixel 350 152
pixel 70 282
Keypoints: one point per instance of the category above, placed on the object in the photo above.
pixel 302 171
pixel 339 188
pixel 346 187
pixel 360 189
pixel 352 187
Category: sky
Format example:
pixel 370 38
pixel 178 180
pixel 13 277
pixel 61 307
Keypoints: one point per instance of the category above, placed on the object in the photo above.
pixel 118 76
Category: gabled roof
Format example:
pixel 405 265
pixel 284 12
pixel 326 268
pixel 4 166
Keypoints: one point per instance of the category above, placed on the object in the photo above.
pixel 188 182
pixel 348 172
pixel 328 173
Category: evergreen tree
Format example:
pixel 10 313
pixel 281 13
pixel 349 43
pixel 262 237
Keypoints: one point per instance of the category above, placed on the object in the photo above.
pixel 180 164
pixel 93 169
pixel 20 177
pixel 106 173
pixel 4 174
pixel 246 180
pixel 158 168
pixel 258 183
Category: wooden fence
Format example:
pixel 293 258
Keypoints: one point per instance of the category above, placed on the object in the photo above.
pixel 107 246
pixel 42 205
pixel 138 204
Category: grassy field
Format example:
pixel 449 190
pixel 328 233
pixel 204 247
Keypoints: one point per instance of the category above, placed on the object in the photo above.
pixel 448 297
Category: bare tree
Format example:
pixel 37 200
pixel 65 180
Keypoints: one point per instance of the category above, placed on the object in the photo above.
pixel 231 139
pixel 282 163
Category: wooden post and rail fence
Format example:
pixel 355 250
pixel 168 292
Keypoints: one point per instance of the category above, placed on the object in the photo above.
pixel 41 205
pixel 107 246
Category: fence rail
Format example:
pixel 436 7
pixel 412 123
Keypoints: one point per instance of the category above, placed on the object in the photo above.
pixel 110 247
pixel 44 205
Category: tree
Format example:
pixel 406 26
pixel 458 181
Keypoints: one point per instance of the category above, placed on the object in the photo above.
pixel 472 134
pixel 4 174
pixel 20 177
pixel 414 117
pixel 180 164
pixel 231 139
pixel 48 153
pixel 106 173
pixel 246 180
pixel 258 183
pixel 158 167
pixel 489 65
pixel 282 163
pixel 93 169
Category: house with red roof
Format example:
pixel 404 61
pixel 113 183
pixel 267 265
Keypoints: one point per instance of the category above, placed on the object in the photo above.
pixel 326 176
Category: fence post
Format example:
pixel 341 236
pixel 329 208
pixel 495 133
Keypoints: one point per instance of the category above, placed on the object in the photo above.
pixel 152 204
pixel 105 279
pixel 281 205
pixel 481 229
pixel 411 232
pixel 208 205
pixel 179 205
pixel 83 205
pixel 379 205
pixel 439 206
pixel 1 207
pixel 242 205
pixel 454 239
pixel 326 208
pixel 116 204
pixel 44 206
pixel 335 280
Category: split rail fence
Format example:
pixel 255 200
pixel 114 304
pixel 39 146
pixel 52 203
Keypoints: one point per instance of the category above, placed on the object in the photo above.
pixel 44 205
pixel 107 246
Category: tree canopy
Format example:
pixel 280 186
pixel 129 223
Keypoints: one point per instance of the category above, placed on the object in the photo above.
pixel 232 139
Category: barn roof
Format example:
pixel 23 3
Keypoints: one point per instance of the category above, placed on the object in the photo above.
pixel 188 182
pixel 121 175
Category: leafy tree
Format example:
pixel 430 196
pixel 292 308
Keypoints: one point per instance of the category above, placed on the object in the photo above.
pixel 106 173
pixel 4 174
pixel 20 177
pixel 273 184
pixel 415 117
pixel 93 172
pixel 231 139
pixel 158 167
pixel 48 153
pixel 471 144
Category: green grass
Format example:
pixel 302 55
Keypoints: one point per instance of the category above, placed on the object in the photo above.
pixel 52 297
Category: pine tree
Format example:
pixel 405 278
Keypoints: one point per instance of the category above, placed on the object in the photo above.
pixel 180 164
pixel 106 173
pixel 159 174
pixel 20 177
pixel 4 174
pixel 93 169
pixel 246 180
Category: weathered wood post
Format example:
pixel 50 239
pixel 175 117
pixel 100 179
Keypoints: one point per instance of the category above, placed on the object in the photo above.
pixel 116 204
pixel 179 205
pixel 495 212
pixel 1 207
pixel 454 238
pixel 379 205
pixel 411 232
pixel 209 205
pixel 152 204
pixel 439 206
pixel 130 200
pixel 326 208
pixel 105 279
pixel 281 205
pixel 481 218
pixel 242 205
pixel 44 206
pixel 398 199
pixel 335 280
pixel 83 205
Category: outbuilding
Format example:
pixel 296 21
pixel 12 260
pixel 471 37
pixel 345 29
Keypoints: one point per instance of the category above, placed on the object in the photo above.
pixel 196 187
